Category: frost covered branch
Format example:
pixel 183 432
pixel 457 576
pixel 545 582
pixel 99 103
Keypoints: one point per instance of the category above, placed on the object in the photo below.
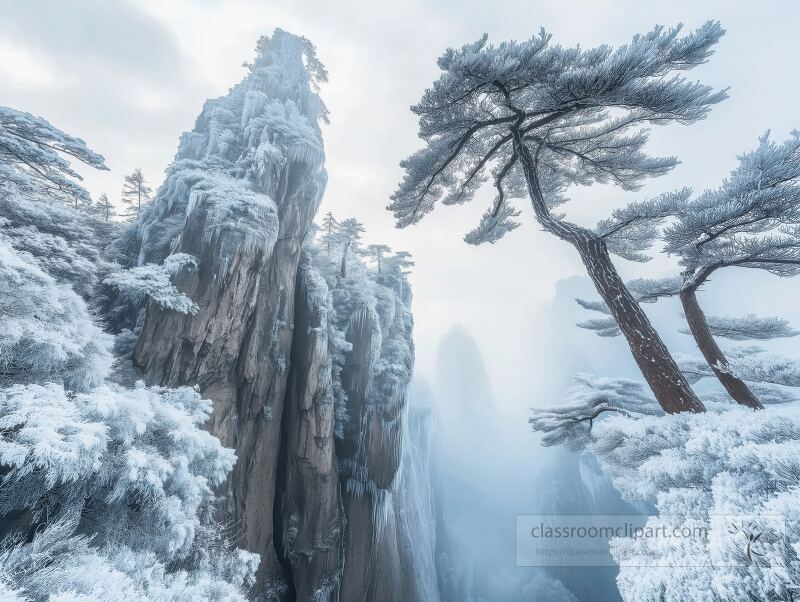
pixel 571 423
pixel 31 157
pixel 749 327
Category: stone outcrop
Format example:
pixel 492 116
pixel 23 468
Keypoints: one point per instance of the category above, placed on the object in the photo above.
pixel 307 370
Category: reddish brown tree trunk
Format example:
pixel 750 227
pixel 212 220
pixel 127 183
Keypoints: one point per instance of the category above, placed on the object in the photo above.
pixel 698 325
pixel 669 385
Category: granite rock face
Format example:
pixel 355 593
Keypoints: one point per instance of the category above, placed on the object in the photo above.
pixel 308 371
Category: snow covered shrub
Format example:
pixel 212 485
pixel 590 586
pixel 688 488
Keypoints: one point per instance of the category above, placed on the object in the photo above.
pixel 153 282
pixel 65 243
pixel 111 492
pixel 106 491
pixel 730 475
pixel 46 330
pixel 734 473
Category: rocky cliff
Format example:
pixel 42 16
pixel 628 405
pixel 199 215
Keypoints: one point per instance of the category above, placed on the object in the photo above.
pixel 307 367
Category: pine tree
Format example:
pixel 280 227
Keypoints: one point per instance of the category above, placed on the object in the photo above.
pixel 376 252
pixel 103 208
pixel 750 221
pixel 32 158
pixel 330 232
pixel 136 192
pixel 350 231
pixel 544 118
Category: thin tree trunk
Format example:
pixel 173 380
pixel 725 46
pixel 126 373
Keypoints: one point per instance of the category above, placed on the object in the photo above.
pixel 698 325
pixel 669 385
pixel 344 259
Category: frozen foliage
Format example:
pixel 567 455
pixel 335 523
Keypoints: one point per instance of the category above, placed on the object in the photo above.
pixel 630 231
pixel 136 192
pixel 644 290
pixel 105 491
pixel 46 330
pixel 604 327
pixel 376 254
pixel 744 222
pixel 233 164
pixel 33 161
pixel 350 231
pixel 732 475
pixel 103 208
pixel 579 112
pixel 729 475
pixel 109 494
pixel 586 401
pixel 749 327
pixel 151 281
pixel 63 242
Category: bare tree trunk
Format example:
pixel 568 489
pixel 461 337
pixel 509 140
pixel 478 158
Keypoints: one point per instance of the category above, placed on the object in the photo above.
pixel 669 385
pixel 698 325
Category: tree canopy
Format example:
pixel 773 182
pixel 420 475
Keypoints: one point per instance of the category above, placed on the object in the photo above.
pixel 583 115
pixel 34 157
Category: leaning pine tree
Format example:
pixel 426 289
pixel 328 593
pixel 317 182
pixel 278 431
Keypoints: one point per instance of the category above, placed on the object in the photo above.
pixel 750 221
pixel 545 117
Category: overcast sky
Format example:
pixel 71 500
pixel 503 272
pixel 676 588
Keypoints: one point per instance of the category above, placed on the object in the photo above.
pixel 130 77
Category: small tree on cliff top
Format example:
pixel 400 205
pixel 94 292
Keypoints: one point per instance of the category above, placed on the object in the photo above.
pixel 329 232
pixel 377 253
pixel 538 118
pixel 350 231
pixel 136 192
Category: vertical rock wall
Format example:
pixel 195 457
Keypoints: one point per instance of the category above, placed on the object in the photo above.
pixel 308 371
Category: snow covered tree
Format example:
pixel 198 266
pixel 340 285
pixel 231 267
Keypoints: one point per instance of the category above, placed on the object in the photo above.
pixel 398 263
pixel 136 192
pixel 329 232
pixel 65 243
pixel 589 399
pixel 104 208
pixel 46 331
pixel 109 494
pixel 32 158
pixel 751 221
pixel 735 226
pixel 153 282
pixel 543 117
pixel 350 231
pixel 728 475
pixel 376 253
